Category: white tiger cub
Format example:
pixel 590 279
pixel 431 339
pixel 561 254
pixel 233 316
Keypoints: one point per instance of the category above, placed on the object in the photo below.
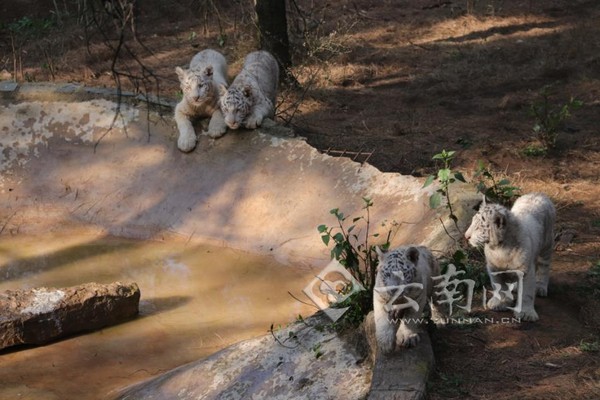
pixel 199 84
pixel 403 286
pixel 251 96
pixel 519 239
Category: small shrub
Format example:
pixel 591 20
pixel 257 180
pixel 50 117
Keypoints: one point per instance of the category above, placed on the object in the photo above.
pixel 353 248
pixel 590 346
pixel 356 254
pixel 549 118
pixel 498 191
pixel 472 267
pixel 535 151
pixel 445 177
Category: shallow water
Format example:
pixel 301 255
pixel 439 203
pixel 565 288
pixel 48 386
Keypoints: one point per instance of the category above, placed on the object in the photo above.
pixel 196 299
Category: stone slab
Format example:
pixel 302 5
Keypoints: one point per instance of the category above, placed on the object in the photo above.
pixel 403 374
pixel 41 315
pixel 8 86
pixel 261 191
pixel 306 361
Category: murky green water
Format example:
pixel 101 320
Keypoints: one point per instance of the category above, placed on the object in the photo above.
pixel 196 299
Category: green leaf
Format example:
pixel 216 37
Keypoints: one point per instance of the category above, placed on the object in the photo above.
pixel 480 165
pixel 435 200
pixel 338 237
pixel 429 181
pixel 325 239
pixel 322 228
pixel 222 39
pixel 459 256
pixel 443 174
pixel 459 176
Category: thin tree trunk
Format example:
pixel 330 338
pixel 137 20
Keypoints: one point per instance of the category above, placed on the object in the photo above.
pixel 272 26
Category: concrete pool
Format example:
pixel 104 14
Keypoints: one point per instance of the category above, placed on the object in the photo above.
pixel 215 239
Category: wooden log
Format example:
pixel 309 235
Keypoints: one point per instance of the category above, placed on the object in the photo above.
pixel 41 315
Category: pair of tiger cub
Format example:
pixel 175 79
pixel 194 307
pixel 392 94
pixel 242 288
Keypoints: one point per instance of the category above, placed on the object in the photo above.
pixel 518 239
pixel 249 99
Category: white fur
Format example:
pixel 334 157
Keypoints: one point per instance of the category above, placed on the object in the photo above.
pixel 200 83
pixel 251 96
pixel 519 239
pixel 407 264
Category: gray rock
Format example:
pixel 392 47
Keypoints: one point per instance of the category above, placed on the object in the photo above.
pixel 40 315
pixel 8 86
pixel 302 361
pixel 401 375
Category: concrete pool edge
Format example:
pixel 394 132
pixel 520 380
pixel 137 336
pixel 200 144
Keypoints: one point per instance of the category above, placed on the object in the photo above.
pixel 360 179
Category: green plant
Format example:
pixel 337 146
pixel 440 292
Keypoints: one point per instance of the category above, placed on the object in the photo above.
pixel 359 304
pixel 594 275
pixel 535 151
pixel 499 191
pixel 590 346
pixel 317 350
pixel 30 27
pixel 352 249
pixel 471 267
pixel 549 119
pixel 445 177
pixel 594 271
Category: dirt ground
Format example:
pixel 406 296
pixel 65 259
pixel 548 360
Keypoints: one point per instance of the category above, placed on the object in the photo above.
pixel 395 82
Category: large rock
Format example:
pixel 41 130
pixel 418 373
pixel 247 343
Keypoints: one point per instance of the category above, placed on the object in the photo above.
pixel 38 316
pixel 260 191
pixel 305 360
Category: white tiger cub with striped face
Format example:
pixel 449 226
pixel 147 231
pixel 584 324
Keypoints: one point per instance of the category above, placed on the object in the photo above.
pixel 520 239
pixel 200 86
pixel 403 286
pixel 251 96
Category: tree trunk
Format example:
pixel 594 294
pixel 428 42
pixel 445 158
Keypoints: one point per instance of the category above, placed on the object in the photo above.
pixel 272 26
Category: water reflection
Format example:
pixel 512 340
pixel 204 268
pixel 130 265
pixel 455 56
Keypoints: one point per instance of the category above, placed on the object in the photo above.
pixel 195 300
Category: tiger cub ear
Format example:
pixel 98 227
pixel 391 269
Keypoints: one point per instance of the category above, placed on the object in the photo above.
pixel 413 255
pixel 208 71
pixel 180 73
pixel 380 257
pixel 247 91
pixel 500 220
pixel 222 90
